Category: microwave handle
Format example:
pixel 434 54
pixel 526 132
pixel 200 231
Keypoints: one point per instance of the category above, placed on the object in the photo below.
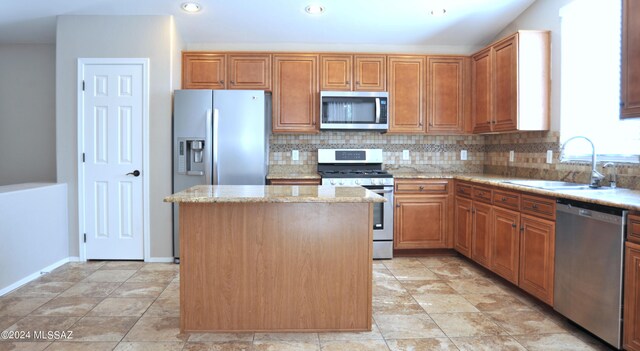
pixel 377 110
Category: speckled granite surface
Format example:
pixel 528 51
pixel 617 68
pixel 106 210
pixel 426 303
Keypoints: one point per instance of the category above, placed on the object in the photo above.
pixel 292 172
pixel 276 193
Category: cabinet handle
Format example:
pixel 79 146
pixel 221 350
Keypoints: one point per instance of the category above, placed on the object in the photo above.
pixel 522 229
pixel 421 187
pixel 534 206
pixel 504 199
pixel 397 205
pixel 233 82
pixel 493 122
pixel 488 122
pixel 222 82
pixel 513 225
pixel 348 82
pixel 313 122
pixel 430 124
pixel 420 123
pixel 357 82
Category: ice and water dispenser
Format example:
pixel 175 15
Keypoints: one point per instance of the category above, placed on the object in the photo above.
pixel 191 156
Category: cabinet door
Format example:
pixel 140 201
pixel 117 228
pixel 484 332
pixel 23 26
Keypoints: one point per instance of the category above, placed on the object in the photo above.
pixel 481 237
pixel 463 226
pixel 370 72
pixel 335 72
pixel 446 97
pixel 631 333
pixel 203 71
pixel 250 71
pixel 420 222
pixel 537 257
pixel 505 244
pixel 505 92
pixel 481 91
pixel 630 104
pixel 406 94
pixel 295 93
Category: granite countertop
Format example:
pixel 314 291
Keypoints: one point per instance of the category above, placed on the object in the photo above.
pixel 292 172
pixel 275 193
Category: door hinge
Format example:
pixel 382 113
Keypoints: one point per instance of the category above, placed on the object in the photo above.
pixel 83 157
pixel 83 85
pixel 85 237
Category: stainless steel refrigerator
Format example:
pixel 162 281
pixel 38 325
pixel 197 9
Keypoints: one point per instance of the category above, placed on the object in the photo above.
pixel 220 137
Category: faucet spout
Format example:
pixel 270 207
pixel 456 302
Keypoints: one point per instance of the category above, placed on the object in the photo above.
pixel 596 177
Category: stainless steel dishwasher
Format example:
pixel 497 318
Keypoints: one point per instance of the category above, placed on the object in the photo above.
pixel 588 267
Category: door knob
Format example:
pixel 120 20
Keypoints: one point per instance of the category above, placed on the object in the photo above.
pixel 134 173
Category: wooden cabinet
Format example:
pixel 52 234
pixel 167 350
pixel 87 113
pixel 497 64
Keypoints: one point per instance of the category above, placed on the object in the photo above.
pixel 249 71
pixel 631 332
pixel 353 72
pixel 481 237
pixel 511 84
pixel 505 243
pixel 423 214
pixel 289 181
pixel 463 226
pixel 406 81
pixel 295 93
pixel 203 70
pixel 537 256
pixel 447 94
pixel 630 89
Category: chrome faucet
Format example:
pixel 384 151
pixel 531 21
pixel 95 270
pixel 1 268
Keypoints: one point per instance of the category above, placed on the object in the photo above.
pixel 613 176
pixel 596 177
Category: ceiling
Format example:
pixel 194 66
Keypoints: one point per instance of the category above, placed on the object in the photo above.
pixel 381 22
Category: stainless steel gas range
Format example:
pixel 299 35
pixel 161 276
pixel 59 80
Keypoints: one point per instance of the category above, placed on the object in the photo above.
pixel 363 167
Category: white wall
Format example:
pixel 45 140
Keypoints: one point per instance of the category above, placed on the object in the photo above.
pixel 27 113
pixel 33 231
pixel 544 14
pixel 125 37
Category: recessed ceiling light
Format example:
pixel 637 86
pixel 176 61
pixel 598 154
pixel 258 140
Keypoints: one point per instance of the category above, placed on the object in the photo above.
pixel 191 7
pixel 438 12
pixel 314 9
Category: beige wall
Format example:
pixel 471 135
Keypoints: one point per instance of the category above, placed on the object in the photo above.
pixel 124 37
pixel 27 113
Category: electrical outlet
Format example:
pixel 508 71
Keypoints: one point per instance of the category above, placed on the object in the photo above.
pixel 405 155
pixel 295 155
pixel 463 155
pixel 512 156
pixel 549 156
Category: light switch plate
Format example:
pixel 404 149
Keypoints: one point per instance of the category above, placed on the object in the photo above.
pixel 463 155
pixel 549 156
pixel 295 155
pixel 405 155
pixel 512 156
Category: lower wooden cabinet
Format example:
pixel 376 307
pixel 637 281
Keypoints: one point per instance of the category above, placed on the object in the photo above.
pixel 505 243
pixel 463 226
pixel 631 337
pixel 537 257
pixel 481 237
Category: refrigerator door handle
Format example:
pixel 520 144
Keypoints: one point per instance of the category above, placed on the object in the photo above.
pixel 207 142
pixel 215 146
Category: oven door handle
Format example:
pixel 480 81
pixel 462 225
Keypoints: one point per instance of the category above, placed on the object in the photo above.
pixel 382 191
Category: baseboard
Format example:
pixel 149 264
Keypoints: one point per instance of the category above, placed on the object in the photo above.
pixel 159 260
pixel 36 275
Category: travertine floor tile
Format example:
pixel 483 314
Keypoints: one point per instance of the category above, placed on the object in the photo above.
pixel 553 342
pixel 156 329
pixel 403 263
pixel 439 261
pixel 148 290
pixel 301 337
pixel 111 276
pixel 418 287
pixel 135 265
pixel 454 271
pixel 466 324
pixel 44 324
pixel 435 344
pixel 219 346
pixel 157 267
pixel 413 274
pixel 354 345
pixel 496 302
pixel 102 328
pixel 23 346
pixel 396 305
pixel 488 343
pixel 380 274
pixel 121 306
pixel 408 326
pixel 525 322
pixel 83 289
pixel 388 287
pixel 215 337
pixel 444 303
pixel 81 346
pixel 149 346
pixel 20 306
pixel 285 346
pixel 67 306
pixel 7 321
pixel 88 265
pixel 164 308
pixel 374 334
pixel 40 288
pixel 69 275
pixel 143 276
pixel 474 286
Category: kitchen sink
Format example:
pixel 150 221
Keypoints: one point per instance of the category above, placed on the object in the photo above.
pixel 553 185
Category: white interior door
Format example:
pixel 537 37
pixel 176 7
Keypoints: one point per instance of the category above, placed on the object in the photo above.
pixel 112 142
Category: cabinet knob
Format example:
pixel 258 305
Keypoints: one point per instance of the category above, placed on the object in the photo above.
pixel 397 205
pixel 233 82
pixel 534 206
pixel 494 122
pixel 513 225
pixel 421 187
pixel 430 124
pixel 348 82
pixel 357 82
pixel 522 229
pixel 504 199
pixel 420 124
pixel 488 122
pixel 222 82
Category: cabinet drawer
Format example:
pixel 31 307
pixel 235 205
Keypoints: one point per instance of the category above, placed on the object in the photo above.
pixel 420 186
pixel 463 189
pixel 482 194
pixel 506 199
pixel 538 206
pixel 633 231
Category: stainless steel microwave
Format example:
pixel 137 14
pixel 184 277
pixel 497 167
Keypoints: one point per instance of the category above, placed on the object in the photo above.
pixel 354 110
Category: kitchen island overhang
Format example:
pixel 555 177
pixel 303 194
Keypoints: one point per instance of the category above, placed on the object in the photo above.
pixel 275 258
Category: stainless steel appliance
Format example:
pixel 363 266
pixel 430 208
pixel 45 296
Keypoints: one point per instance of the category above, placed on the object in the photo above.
pixel 588 267
pixel 363 167
pixel 354 110
pixel 219 137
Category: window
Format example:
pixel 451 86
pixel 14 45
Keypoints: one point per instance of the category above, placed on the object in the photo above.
pixel 590 83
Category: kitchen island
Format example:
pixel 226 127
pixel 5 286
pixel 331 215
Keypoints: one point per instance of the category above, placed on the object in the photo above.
pixel 275 258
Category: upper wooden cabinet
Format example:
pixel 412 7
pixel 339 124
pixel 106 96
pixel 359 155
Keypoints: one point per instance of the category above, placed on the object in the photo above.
pixel 630 90
pixel 201 70
pixel 249 71
pixel 353 72
pixel 406 79
pixel 295 93
pixel 448 96
pixel 511 84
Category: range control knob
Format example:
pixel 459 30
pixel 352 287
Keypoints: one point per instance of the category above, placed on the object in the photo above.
pixel 341 182
pixel 333 182
pixel 357 181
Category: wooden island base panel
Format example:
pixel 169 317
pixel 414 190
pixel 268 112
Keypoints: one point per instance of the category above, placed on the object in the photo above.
pixel 276 266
